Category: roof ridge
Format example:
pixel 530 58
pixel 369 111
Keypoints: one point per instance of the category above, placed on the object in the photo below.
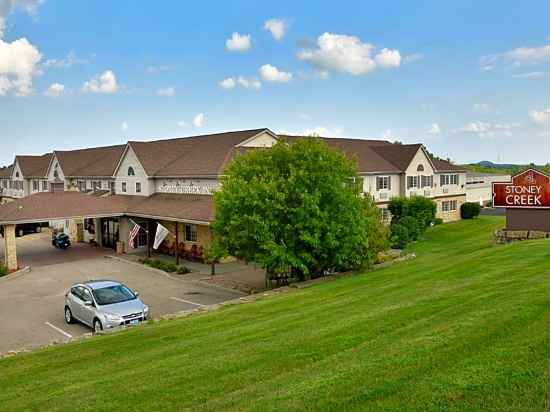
pixel 198 136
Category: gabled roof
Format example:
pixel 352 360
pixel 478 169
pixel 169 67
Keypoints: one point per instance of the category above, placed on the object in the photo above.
pixel 34 166
pixel 205 155
pixel 94 162
pixel 5 172
pixel 445 166
pixel 400 155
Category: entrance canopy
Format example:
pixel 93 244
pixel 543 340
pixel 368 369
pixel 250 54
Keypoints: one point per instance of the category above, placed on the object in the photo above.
pixel 42 207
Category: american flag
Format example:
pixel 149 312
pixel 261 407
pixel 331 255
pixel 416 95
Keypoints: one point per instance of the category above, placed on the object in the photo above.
pixel 133 234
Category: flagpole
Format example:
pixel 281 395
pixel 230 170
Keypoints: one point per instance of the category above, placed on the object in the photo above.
pixel 148 239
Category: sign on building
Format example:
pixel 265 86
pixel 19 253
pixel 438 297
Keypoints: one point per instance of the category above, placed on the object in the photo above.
pixel 527 190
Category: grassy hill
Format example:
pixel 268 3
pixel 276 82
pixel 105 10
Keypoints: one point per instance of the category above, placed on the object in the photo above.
pixel 465 326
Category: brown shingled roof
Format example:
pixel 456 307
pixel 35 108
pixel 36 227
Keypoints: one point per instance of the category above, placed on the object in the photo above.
pixel 445 166
pixel 70 205
pixel 5 172
pixel 205 155
pixel 34 166
pixel 94 162
pixel 400 155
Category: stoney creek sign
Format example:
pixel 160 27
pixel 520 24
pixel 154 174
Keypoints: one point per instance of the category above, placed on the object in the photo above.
pixel 528 190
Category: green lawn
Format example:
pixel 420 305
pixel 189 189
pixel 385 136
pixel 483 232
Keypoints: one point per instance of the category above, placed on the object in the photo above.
pixel 465 326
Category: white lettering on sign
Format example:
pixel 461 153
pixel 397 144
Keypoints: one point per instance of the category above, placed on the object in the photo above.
pixel 189 188
pixel 524 195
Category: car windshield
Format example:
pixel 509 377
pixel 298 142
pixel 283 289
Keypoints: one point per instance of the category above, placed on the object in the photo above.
pixel 113 294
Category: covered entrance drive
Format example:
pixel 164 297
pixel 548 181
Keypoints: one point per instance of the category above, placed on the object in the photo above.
pixel 105 220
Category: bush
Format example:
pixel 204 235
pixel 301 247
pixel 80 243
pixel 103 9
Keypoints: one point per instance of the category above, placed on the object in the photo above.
pixel 398 207
pixel 423 210
pixel 470 210
pixel 399 236
pixel 162 265
pixel 438 221
pixel 3 270
pixel 182 270
pixel 412 225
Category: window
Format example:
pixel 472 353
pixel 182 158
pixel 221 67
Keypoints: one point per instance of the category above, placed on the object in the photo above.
pixel 412 182
pixel 112 187
pixel 427 181
pixel 131 171
pixel 138 187
pixel 190 233
pixel 96 186
pixel 449 206
pixel 82 185
pixel 86 295
pixel 420 168
pixel 383 183
pixel 35 185
pixel 44 185
pixel 446 180
pixel 124 187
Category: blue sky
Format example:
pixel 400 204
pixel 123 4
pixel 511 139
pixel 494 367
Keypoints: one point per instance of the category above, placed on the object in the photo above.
pixel 470 80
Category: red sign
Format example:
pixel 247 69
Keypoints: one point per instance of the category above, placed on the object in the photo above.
pixel 529 189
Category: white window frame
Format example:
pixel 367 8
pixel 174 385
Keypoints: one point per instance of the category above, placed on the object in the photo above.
pixel 383 182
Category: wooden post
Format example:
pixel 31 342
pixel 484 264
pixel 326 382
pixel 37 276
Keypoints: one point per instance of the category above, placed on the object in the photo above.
pixel 149 238
pixel 177 244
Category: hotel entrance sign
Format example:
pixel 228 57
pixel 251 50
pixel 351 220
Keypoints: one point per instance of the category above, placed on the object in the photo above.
pixel 528 190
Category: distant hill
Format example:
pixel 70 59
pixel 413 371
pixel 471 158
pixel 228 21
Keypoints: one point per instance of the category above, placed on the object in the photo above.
pixel 486 166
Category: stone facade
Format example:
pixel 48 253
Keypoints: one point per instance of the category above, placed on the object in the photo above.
pixel 446 209
pixel 10 248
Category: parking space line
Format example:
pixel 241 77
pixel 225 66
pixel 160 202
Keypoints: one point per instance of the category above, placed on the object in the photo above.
pixel 68 335
pixel 187 301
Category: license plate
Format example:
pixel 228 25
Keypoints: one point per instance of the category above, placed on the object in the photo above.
pixel 134 322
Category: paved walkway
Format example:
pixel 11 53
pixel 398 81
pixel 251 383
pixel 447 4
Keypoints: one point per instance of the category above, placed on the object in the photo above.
pixel 247 278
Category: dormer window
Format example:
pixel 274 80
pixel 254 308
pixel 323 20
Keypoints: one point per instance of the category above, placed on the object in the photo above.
pixel 131 171
pixel 420 168
pixel 17 174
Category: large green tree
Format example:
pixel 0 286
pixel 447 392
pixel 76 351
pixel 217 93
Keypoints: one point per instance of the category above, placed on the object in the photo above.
pixel 297 208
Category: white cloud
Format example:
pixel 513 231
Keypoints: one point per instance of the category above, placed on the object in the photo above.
pixel 411 58
pixel 277 27
pixel 55 90
pixel 249 83
pixel 160 68
pixel 198 120
pixel 388 59
pixel 540 117
pixel 65 62
pixel 530 75
pixel 166 92
pixel 182 123
pixel 106 83
pixel 482 107
pixel 387 135
pixel 238 42
pixel 18 65
pixel 9 6
pixel 314 131
pixel 271 74
pixel 228 83
pixel 124 127
pixel 434 129
pixel 519 57
pixel 489 130
pixel 348 54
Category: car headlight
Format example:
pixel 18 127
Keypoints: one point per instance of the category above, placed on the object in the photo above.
pixel 112 317
pixel 146 310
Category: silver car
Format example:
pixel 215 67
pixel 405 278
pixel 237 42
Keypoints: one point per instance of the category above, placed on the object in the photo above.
pixel 104 304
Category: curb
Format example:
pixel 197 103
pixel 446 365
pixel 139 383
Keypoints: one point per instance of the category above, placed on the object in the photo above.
pixel 15 275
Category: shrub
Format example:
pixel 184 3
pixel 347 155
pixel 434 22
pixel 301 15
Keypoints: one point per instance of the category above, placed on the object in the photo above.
pixel 412 225
pixel 470 210
pixel 399 236
pixel 398 207
pixel 423 210
pixel 3 270
pixel 438 221
pixel 182 270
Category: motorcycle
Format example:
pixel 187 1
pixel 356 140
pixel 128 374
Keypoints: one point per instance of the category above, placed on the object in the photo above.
pixel 61 241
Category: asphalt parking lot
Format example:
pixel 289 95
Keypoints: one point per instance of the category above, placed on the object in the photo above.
pixel 31 305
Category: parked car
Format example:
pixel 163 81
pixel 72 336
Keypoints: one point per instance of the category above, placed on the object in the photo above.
pixel 26 228
pixel 104 304
pixel 61 241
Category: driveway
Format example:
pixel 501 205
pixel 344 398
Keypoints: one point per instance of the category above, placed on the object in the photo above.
pixel 31 305
pixel 36 250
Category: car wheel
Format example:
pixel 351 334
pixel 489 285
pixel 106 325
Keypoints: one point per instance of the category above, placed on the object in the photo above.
pixel 68 315
pixel 98 327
